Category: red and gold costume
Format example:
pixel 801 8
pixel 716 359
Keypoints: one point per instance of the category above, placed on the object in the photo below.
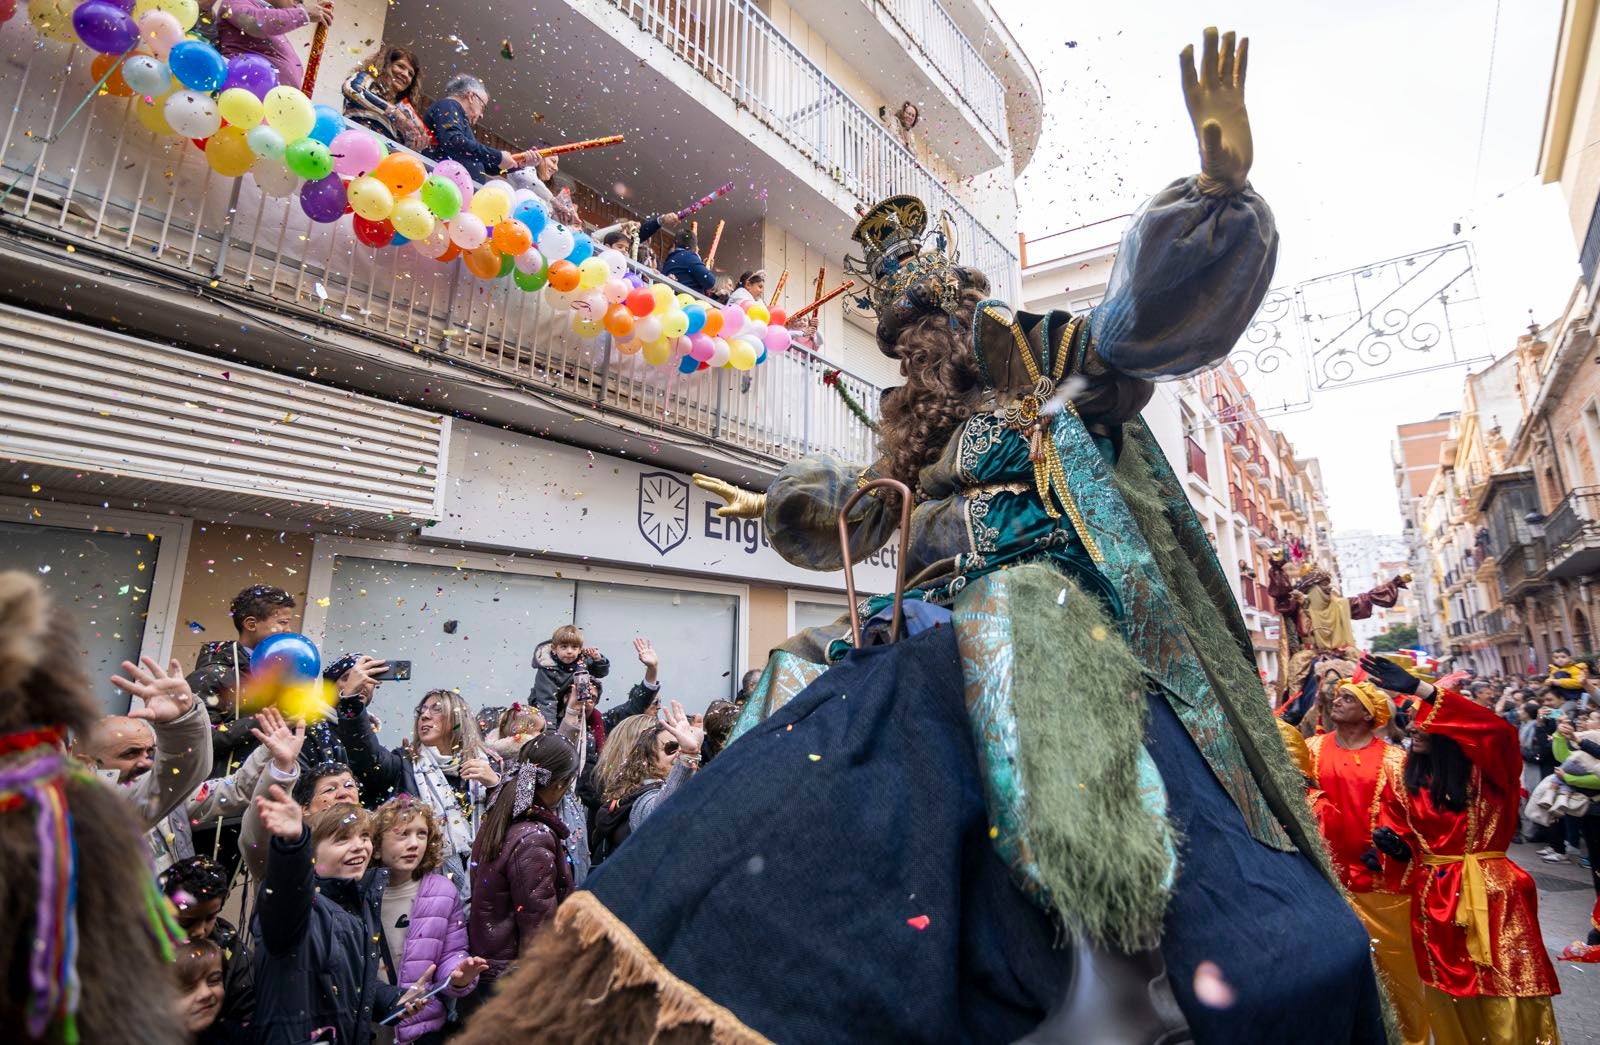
pixel 1475 926
pixel 1356 786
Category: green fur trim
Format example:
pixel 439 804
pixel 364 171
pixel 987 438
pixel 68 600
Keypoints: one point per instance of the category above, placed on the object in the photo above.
pixel 1103 853
pixel 1234 678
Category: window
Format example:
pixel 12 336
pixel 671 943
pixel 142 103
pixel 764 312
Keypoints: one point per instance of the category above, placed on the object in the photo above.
pixel 808 613
pixel 116 575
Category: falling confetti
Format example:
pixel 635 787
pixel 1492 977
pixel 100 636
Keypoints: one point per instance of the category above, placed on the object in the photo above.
pixel 196 627
pixel 506 52
pixel 920 922
pixel 1210 987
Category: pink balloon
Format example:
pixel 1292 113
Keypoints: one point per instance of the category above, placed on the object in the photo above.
pixel 732 320
pixel 776 339
pixel 700 347
pixel 159 32
pixel 458 174
pixel 355 152
pixel 616 291
pixel 681 346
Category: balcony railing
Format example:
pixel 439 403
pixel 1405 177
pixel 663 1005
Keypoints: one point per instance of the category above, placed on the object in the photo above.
pixel 109 191
pixel 736 47
pixel 1572 532
pixel 936 35
pixel 1196 455
pixel 1522 567
pixel 1236 497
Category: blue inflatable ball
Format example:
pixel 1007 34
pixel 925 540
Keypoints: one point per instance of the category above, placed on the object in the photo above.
pixel 198 66
pixel 532 214
pixel 582 248
pixel 294 655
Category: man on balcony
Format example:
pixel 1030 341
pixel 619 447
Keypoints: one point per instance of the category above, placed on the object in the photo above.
pixel 451 119
pixel 684 266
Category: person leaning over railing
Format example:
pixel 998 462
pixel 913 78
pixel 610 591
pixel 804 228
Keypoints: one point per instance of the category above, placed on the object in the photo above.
pixel 451 119
pixel 379 93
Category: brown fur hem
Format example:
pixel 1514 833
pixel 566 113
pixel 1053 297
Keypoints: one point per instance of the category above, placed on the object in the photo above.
pixel 587 979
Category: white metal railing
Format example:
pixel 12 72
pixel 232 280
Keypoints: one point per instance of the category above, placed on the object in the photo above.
pixel 110 186
pixel 936 35
pixel 735 46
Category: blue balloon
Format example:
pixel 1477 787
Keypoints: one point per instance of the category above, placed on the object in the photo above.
pixel 329 123
pixel 398 241
pixel 532 214
pixel 198 65
pixel 582 247
pixel 294 655
pixel 697 319
pixel 762 358
pixel 688 365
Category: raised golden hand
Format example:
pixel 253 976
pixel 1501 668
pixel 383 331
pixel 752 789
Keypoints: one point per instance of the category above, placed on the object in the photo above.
pixel 1215 97
pixel 742 504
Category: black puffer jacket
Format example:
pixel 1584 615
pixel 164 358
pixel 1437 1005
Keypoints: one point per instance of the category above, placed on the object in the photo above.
pixel 221 669
pixel 317 952
pixel 549 675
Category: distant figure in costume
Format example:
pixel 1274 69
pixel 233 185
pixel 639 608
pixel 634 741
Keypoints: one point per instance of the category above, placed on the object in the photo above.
pixel 1475 913
pixel 1315 626
pixel 86 933
pixel 1058 809
pixel 1357 774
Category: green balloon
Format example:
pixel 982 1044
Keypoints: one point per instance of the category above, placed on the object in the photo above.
pixel 506 265
pixel 531 280
pixel 440 195
pixel 309 159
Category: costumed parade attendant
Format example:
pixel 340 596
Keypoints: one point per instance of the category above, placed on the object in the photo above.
pixel 1475 914
pixel 1058 809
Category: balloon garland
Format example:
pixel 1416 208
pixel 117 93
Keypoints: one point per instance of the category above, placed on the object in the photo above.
pixel 246 122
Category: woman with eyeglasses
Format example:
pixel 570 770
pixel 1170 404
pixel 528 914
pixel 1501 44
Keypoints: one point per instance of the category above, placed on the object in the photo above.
pixel 662 759
pixel 444 764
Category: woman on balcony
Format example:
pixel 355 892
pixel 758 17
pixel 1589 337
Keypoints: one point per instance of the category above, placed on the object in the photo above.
pixel 378 96
pixel 752 286
pixel 451 119
pixel 259 27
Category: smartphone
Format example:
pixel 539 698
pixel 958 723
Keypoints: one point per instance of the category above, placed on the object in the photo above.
pixel 397 671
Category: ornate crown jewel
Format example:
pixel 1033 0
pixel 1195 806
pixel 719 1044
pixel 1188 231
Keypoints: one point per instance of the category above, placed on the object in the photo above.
pixel 902 256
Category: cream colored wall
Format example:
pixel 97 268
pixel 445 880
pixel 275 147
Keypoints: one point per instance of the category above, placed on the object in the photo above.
pixel 1580 179
pixel 769 622
pixel 356 31
pixel 224 560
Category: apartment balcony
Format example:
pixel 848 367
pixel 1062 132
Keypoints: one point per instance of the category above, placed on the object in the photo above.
pixel 1254 469
pixel 703 90
pixel 1522 569
pixel 1236 499
pixel 1572 534
pixel 914 49
pixel 118 230
pixel 1500 626
pixel 1195 455
pixel 1278 496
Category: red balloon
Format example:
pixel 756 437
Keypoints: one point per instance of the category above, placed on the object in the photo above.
pixel 779 318
pixel 640 301
pixel 7 9
pixel 373 233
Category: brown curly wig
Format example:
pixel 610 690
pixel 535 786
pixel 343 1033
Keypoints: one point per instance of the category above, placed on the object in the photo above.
pixel 943 384
pixel 399 811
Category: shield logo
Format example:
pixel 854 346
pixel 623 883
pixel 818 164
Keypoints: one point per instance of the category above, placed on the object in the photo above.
pixel 663 510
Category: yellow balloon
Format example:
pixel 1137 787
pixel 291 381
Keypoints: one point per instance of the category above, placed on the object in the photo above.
pixel 584 327
pixel 592 273
pixel 152 113
pixel 53 18
pixel 371 199
pixel 491 205
pixel 740 355
pixel 412 218
pixel 685 300
pixel 187 12
pixel 240 108
pixel 312 701
pixel 758 312
pixel 663 296
pixel 657 353
pixel 289 112
pixel 144 7
pixel 228 153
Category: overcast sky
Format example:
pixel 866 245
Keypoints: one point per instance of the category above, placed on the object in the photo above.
pixel 1366 119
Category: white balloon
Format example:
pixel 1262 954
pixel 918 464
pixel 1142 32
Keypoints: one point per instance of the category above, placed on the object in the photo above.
pixel 502 185
pixel 648 329
pixel 556 241
pixel 434 243
pixel 192 114
pixel 274 179
pixel 146 75
pixel 616 262
pixel 719 352
pixel 265 142
pixel 529 261
pixel 560 300
pixel 754 330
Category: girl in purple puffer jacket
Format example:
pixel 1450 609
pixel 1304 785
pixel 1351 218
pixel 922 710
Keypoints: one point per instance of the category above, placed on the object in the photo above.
pixel 424 921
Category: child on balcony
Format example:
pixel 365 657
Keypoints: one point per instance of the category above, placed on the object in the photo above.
pixel 260 27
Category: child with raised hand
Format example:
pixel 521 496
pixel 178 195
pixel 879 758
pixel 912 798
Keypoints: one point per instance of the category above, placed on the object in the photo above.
pixel 318 943
pixel 556 661
pixel 423 920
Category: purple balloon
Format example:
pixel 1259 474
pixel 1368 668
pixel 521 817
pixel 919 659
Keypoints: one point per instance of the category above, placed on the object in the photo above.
pixel 104 27
pixel 252 72
pixel 323 201
pixel 126 5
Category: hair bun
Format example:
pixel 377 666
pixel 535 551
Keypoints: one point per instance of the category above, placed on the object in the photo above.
pixel 22 627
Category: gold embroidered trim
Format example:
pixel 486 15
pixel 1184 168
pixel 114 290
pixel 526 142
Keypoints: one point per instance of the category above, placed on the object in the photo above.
pixel 632 965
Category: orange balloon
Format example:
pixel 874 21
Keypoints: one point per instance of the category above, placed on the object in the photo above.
pixel 402 172
pixel 713 325
pixel 482 261
pixel 116 86
pixel 512 237
pixel 451 253
pixel 618 321
pixel 563 276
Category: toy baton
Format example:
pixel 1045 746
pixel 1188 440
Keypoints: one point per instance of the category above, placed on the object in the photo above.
pixel 592 143
pixel 319 40
pixel 706 200
pixel 823 300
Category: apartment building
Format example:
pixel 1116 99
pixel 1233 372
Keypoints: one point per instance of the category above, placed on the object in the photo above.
pixel 200 390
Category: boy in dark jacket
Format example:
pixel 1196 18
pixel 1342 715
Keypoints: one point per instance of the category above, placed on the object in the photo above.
pixel 319 942
pixel 684 266
pixel 556 661
pixel 223 667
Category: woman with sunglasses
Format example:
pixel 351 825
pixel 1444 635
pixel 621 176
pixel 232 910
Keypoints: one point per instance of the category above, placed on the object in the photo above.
pixel 444 764
pixel 661 760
